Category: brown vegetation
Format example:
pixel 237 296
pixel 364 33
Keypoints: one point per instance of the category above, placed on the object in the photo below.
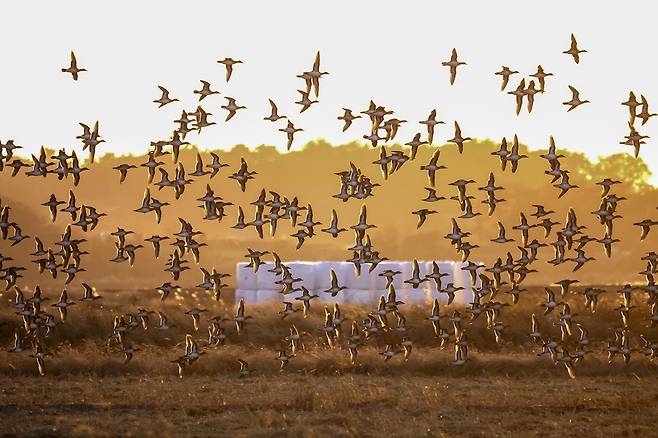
pixel 308 174
pixel 504 389
pixel 336 406
pixel 80 345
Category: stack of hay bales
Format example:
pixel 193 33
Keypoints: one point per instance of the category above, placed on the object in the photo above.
pixel 365 289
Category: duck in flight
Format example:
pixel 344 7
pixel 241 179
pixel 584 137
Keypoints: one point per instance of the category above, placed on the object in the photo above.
pixel 290 131
pixel 164 98
pixel 458 139
pixel 229 63
pixel 518 94
pixel 348 118
pixel 231 107
pixel 422 216
pixel 505 72
pixel 305 101
pixel 205 91
pixel 541 76
pixel 573 50
pixel 333 229
pixel 575 101
pixel 453 64
pixel 335 288
pixel 73 68
pixel 644 114
pixel 274 113
pixel 431 122
pixel 312 77
pixel 432 167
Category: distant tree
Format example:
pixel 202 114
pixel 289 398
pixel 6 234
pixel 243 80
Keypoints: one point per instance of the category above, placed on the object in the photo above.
pixel 624 167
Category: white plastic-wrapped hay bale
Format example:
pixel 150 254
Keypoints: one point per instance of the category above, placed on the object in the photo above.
pixel 355 296
pixel 405 268
pixel 362 282
pixel 411 295
pixel 306 271
pixel 364 289
pixel 462 279
pixel 246 277
pixel 265 295
pixel 246 284
pixel 266 280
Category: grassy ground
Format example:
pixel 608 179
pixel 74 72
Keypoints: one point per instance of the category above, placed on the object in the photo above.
pixel 506 390
pixel 347 405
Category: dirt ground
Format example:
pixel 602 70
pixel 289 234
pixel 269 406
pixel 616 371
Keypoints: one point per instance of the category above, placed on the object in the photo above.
pixel 303 405
pixel 501 391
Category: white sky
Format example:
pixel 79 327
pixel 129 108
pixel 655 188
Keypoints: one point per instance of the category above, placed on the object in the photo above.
pixel 390 52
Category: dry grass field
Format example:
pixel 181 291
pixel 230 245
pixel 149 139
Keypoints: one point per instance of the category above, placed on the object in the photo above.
pixel 508 390
pixel 295 404
pixel 146 216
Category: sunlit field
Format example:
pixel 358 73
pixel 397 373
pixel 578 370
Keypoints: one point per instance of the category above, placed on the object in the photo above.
pixel 285 219
pixel 88 390
pixel 503 403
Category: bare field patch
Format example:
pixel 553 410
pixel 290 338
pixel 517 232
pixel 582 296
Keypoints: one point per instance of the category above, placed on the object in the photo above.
pixel 348 405
pixel 501 391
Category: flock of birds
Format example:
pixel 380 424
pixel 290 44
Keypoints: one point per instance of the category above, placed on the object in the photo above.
pixel 569 240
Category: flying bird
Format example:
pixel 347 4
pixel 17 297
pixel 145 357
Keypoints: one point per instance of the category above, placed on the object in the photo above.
pixel 229 63
pixel 73 68
pixel 164 99
pixel 290 131
pixel 573 50
pixel 274 114
pixel 575 99
pixel 505 72
pixel 453 64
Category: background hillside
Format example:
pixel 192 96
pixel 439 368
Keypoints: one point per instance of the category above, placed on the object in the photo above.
pixel 309 175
